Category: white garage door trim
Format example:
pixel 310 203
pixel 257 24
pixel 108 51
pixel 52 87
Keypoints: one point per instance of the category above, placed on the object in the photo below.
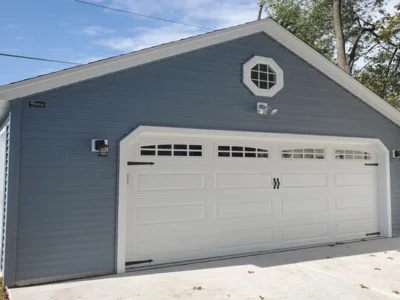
pixel 384 194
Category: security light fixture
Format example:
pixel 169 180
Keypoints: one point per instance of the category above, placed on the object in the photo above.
pixel 396 153
pixel 100 146
pixel 264 109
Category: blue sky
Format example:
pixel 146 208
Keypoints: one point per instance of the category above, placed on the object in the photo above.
pixel 70 31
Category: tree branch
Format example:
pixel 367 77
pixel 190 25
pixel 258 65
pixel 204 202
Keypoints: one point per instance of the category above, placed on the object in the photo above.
pixel 395 72
pixel 383 92
pixel 368 51
pixel 353 52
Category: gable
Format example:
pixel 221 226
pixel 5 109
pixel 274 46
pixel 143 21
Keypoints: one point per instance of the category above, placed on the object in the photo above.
pixel 208 83
pixel 268 26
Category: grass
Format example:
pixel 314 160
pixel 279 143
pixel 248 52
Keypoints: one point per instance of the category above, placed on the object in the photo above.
pixel 3 292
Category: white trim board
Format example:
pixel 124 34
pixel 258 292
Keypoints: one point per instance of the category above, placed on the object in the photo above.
pixel 248 82
pixel 384 191
pixel 268 26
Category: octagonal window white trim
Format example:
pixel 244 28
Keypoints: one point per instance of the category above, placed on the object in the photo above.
pixel 262 76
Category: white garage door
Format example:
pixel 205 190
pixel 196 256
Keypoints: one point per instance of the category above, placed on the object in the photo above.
pixel 216 196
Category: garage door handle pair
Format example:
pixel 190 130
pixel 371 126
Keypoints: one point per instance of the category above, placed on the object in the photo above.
pixel 277 183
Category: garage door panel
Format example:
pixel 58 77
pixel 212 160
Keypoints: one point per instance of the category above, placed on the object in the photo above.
pixel 167 230
pixel 354 213
pixel 248 237
pixel 305 232
pixel 353 179
pixel 237 224
pixel 240 180
pixel 351 201
pixel 169 181
pixel 177 249
pixel 304 180
pixel 160 197
pixel 169 213
pixel 355 226
pixel 246 209
pixel 304 204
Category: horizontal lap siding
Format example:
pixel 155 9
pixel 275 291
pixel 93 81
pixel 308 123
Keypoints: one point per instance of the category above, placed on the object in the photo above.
pixel 67 204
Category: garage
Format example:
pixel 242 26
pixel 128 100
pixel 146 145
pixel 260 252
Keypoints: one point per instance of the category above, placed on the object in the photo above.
pixel 193 194
pixel 238 141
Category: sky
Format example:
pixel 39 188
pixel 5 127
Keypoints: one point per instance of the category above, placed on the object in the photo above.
pixel 70 31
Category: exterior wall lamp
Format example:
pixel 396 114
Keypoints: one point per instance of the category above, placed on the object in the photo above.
pixel 264 109
pixel 396 153
pixel 100 146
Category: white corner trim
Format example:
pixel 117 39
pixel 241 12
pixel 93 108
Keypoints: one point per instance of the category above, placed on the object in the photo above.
pixel 122 205
pixel 268 26
pixel 384 190
pixel 247 81
pixel 383 155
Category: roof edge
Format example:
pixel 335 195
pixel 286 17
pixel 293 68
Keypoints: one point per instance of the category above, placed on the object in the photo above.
pixel 126 61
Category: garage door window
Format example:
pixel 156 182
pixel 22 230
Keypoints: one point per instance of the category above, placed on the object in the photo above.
pixel 180 150
pixel 306 153
pixel 242 152
pixel 349 154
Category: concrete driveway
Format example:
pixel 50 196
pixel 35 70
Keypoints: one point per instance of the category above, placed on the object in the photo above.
pixel 362 270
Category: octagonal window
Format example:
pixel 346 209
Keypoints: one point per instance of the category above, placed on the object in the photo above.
pixel 262 76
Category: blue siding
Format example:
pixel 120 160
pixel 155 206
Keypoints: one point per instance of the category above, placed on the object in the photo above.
pixel 67 202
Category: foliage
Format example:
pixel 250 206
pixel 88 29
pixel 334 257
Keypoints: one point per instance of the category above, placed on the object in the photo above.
pixel 371 37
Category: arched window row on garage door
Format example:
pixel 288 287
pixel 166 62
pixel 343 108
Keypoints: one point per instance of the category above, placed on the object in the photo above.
pixel 230 151
pixel 351 154
pixel 181 150
pixel 242 152
pixel 303 153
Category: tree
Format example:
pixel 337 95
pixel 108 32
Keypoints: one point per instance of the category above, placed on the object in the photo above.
pixel 358 35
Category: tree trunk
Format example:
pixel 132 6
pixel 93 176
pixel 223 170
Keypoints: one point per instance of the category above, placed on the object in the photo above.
pixel 260 8
pixel 339 37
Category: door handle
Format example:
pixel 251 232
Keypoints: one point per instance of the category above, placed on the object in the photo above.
pixel 279 183
pixel 275 183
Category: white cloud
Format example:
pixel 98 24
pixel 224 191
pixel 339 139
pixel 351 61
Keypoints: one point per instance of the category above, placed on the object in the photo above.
pixel 12 26
pixel 149 37
pixel 96 30
pixel 205 13
pixel 24 38
pixel 224 14
pixel 139 6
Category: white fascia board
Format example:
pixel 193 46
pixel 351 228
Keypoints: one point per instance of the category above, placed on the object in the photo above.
pixel 268 26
